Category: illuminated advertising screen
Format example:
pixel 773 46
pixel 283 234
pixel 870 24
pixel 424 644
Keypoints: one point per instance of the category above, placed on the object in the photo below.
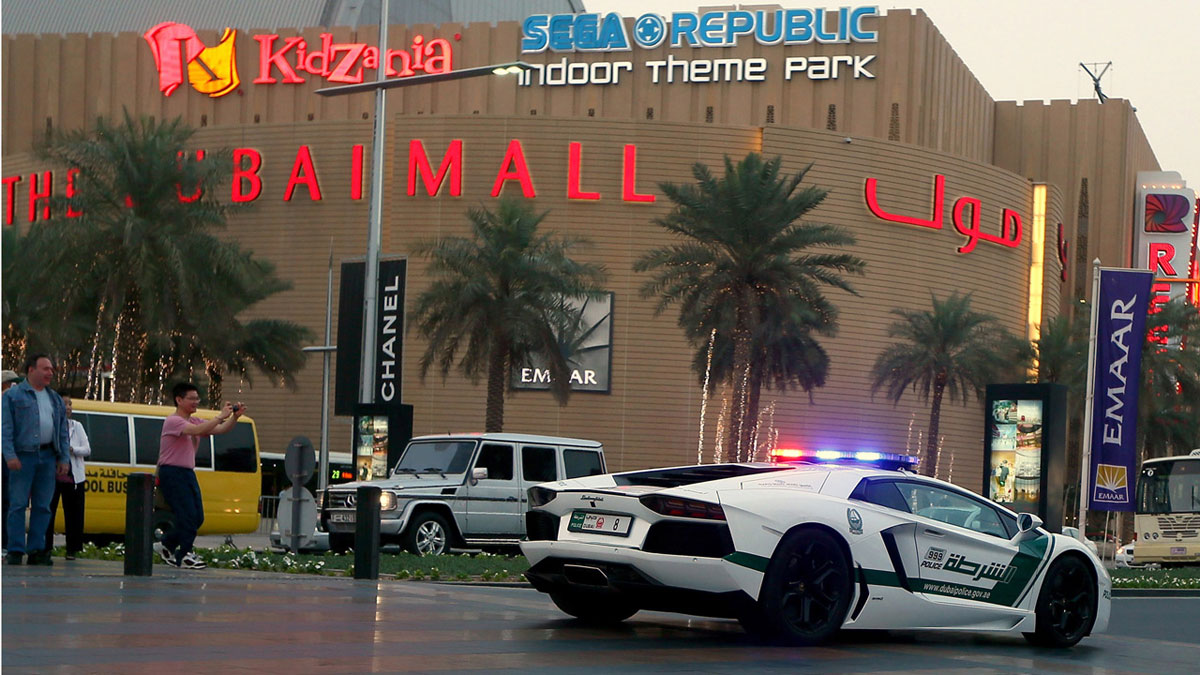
pixel 1024 448
pixel 371 447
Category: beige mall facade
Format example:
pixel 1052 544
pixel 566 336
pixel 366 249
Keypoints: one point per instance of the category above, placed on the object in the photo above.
pixel 907 142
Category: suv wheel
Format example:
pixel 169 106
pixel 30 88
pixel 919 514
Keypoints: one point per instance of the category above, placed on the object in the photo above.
pixel 427 534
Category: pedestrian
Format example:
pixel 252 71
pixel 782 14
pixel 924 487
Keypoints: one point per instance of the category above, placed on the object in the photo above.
pixel 177 448
pixel 35 442
pixel 8 379
pixel 70 488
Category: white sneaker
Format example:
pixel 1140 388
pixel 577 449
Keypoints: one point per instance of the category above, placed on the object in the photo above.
pixel 191 561
pixel 165 554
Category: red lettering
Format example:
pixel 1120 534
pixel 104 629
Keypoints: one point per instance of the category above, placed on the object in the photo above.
pixel 574 171
pixel 514 168
pixel 267 59
pixel 71 173
pixel 187 199
pixel 1161 256
pixel 303 172
pixel 42 195
pixel 356 172
pixel 310 61
pixel 1160 294
pixel 418 163
pixel 935 221
pixel 439 56
pixel 342 72
pixel 246 174
pixel 10 191
pixel 629 178
pixel 405 63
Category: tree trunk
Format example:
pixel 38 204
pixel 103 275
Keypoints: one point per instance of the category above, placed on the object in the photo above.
pixel 128 351
pixel 215 386
pixel 752 412
pixel 496 384
pixel 739 424
pixel 929 461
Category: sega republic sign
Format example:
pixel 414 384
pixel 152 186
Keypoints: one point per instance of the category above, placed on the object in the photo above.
pixel 607 33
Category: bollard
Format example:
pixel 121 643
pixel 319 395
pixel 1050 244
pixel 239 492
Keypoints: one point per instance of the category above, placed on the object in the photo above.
pixel 366 533
pixel 139 524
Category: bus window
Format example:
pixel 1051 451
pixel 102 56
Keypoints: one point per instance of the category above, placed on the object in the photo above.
pixel 147 436
pixel 204 454
pixel 234 451
pixel 108 435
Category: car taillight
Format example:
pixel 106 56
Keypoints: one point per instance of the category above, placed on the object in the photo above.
pixel 539 496
pixel 683 508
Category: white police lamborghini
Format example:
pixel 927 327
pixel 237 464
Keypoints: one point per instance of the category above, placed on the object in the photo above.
pixel 798 552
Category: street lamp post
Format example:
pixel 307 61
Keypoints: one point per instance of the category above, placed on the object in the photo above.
pixel 375 215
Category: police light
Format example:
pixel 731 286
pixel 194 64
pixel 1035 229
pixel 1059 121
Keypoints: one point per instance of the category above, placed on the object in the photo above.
pixel 882 460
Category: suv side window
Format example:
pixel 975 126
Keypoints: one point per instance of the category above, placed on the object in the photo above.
pixel 954 508
pixel 578 463
pixel 498 460
pixel 538 464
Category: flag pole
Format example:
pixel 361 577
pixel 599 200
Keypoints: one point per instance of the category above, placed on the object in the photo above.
pixel 1085 464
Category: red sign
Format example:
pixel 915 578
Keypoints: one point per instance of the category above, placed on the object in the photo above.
pixel 213 70
pixel 1010 220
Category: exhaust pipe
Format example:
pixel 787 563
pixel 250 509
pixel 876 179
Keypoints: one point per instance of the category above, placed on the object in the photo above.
pixel 585 575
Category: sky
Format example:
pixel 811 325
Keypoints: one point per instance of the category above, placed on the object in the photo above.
pixel 1031 50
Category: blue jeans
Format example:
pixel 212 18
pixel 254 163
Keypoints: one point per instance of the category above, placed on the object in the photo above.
pixel 182 492
pixel 30 486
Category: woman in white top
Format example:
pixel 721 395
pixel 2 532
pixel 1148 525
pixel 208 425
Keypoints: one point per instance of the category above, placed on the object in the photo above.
pixel 70 487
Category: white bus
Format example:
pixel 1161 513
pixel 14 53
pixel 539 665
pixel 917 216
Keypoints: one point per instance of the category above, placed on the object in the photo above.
pixel 1168 511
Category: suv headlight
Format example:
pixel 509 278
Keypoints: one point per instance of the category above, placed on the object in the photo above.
pixel 387 501
pixel 540 496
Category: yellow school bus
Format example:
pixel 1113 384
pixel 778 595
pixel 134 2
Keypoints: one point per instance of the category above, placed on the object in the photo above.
pixel 125 439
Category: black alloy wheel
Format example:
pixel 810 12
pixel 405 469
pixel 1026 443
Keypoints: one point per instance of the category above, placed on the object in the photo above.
pixel 1066 607
pixel 807 589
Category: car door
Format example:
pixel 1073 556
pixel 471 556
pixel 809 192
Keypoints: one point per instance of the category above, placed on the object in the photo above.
pixel 966 553
pixel 492 503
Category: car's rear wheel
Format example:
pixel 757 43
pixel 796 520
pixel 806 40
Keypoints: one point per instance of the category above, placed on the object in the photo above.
pixel 807 589
pixel 427 534
pixel 1066 607
pixel 594 607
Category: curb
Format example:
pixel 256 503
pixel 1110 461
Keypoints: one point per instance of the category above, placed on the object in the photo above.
pixel 1156 593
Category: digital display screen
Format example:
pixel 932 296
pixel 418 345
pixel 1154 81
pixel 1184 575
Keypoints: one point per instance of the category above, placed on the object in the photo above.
pixel 1015 471
pixel 371 447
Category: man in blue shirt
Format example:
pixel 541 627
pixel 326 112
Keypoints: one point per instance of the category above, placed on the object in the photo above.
pixel 36 446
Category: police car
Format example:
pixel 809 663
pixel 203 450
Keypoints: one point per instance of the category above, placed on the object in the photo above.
pixel 797 552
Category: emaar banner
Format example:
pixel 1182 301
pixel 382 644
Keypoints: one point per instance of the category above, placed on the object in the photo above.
pixel 1121 307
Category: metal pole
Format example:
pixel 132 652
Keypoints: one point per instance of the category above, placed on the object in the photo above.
pixel 323 476
pixel 1085 459
pixel 375 227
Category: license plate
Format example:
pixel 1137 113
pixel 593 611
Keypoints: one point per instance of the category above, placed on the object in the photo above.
pixel 342 517
pixel 600 523
pixel 1178 550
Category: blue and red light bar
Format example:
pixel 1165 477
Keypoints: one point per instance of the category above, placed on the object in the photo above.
pixel 883 460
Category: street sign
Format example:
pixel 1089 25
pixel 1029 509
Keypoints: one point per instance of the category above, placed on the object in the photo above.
pixel 299 461
pixel 305 506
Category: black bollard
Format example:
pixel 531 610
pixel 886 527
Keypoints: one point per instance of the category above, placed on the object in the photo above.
pixel 366 533
pixel 139 524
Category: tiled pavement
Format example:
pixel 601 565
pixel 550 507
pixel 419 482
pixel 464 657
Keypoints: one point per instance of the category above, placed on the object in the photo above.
pixel 86 617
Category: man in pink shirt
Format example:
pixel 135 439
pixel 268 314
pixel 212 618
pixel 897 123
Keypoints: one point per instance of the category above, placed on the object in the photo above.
pixel 177 448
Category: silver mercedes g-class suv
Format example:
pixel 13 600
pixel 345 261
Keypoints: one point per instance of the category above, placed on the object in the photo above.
pixel 460 490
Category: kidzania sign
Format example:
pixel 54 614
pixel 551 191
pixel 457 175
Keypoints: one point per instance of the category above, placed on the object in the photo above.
pixel 179 55
pixel 607 33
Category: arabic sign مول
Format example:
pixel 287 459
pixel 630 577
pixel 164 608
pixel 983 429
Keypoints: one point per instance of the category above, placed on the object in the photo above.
pixel 1010 227
pixel 1120 317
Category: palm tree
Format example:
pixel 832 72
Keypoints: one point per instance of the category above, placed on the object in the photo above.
pixel 1169 398
pixel 142 243
pixel 948 349
pixel 499 298
pixel 744 266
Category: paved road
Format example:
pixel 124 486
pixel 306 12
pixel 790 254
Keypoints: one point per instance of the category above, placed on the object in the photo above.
pixel 86 617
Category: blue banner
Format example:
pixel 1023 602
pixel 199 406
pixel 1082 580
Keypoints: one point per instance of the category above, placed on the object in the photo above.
pixel 1120 332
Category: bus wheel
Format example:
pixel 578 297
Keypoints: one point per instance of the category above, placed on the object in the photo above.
pixel 164 522
pixel 340 542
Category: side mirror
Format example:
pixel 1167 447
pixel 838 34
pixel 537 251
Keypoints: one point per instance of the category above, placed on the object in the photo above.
pixel 1027 524
pixel 478 474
